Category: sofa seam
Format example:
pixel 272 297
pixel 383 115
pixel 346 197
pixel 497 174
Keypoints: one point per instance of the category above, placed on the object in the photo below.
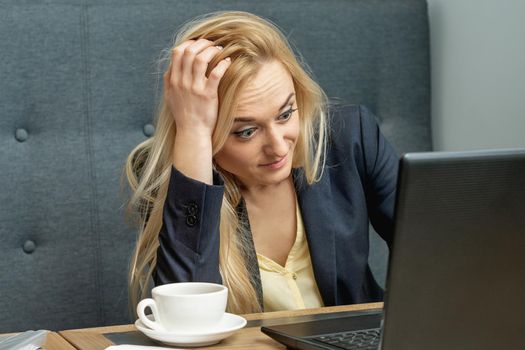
pixel 94 217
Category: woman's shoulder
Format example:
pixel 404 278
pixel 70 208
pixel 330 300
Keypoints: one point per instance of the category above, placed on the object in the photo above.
pixel 351 125
pixel 356 140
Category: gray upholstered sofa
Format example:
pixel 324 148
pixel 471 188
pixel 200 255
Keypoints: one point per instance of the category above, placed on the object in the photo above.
pixel 78 83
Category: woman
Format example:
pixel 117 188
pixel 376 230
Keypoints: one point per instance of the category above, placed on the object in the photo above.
pixel 243 185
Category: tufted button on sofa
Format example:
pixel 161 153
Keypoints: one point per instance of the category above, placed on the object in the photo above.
pixel 21 135
pixel 148 129
pixel 29 247
pixel 79 82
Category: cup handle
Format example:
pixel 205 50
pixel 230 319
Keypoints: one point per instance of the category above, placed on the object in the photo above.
pixel 141 307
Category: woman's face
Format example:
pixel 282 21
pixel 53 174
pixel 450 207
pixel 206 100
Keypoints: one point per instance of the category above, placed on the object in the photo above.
pixel 259 149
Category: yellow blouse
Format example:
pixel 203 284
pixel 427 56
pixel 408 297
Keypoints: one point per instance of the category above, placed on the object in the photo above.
pixel 292 286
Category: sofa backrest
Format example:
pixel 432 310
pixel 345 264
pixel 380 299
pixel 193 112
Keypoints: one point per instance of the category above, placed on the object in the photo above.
pixel 78 89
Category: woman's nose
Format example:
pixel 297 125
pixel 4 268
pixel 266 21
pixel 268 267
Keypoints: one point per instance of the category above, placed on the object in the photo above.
pixel 275 143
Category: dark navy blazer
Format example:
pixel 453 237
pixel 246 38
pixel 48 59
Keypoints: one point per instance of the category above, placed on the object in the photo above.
pixel 358 185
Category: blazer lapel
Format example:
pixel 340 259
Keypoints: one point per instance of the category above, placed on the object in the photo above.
pixel 250 254
pixel 316 202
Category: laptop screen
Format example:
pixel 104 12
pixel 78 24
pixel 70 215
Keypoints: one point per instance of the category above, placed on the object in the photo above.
pixel 457 268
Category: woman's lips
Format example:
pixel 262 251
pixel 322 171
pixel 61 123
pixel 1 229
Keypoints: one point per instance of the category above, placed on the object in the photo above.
pixel 277 164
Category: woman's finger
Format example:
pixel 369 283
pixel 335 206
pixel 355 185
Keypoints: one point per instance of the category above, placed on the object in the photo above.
pixel 200 65
pixel 176 61
pixel 217 73
pixel 190 52
pixel 166 77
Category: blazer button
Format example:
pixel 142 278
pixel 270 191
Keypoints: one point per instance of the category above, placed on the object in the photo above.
pixel 192 209
pixel 191 220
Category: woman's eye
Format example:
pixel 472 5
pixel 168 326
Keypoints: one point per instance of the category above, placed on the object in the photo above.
pixel 286 115
pixel 246 133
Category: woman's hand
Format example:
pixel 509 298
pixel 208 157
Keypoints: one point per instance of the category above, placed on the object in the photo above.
pixel 192 96
pixel 194 103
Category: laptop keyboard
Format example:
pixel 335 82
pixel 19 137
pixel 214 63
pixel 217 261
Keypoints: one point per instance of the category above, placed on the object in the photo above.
pixel 367 339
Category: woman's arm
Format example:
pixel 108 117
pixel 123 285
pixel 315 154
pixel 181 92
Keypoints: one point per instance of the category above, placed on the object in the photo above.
pixel 381 166
pixel 189 237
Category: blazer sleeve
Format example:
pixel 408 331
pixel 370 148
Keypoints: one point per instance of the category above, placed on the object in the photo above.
pixel 189 237
pixel 381 166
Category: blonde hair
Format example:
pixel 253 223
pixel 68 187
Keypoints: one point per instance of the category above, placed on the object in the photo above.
pixel 249 41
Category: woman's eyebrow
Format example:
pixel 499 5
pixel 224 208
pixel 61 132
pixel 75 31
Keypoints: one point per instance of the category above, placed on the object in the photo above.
pixel 251 119
pixel 287 100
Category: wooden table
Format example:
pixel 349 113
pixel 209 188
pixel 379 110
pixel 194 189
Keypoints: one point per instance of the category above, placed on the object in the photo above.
pixel 55 342
pixel 249 337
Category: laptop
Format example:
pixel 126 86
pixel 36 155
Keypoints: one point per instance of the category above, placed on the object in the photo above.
pixel 456 275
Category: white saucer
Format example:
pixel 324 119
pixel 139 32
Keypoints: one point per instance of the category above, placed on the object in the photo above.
pixel 228 324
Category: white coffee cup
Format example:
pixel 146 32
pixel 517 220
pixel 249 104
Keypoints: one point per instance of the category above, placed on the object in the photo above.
pixel 189 307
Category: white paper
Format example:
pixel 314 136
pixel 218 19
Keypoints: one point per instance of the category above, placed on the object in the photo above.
pixel 29 340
